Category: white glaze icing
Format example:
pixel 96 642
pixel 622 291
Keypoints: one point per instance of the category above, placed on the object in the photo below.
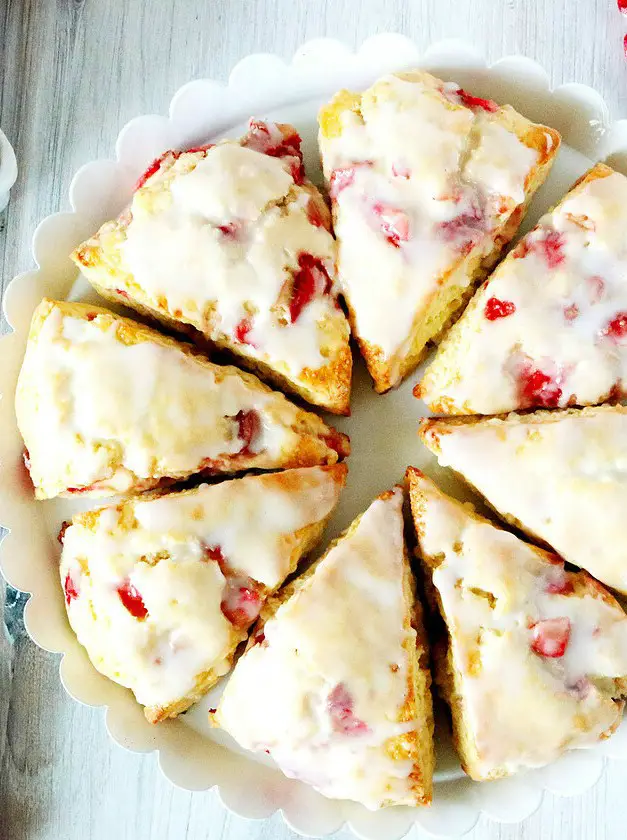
pixel 560 319
pixel 94 408
pixel 343 628
pixel 564 480
pixel 178 248
pixel 252 520
pixel 522 709
pixel 449 162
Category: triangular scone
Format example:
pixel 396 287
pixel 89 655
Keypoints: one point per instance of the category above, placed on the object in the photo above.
pixel 428 183
pixel 232 240
pixel 560 476
pixel 106 405
pixel 548 329
pixel 160 591
pixel 536 657
pixel 335 683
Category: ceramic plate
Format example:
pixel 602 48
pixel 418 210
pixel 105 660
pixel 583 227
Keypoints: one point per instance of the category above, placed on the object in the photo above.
pixel 382 428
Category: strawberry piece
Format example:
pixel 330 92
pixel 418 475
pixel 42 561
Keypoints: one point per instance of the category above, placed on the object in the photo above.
pixel 340 706
pixel 241 603
pixel 625 46
pixel 622 6
pixel 204 148
pixel 538 388
pixel 550 637
pixel 311 280
pixel 122 293
pixel 268 139
pixel 616 329
pixel 558 582
pixel 341 178
pixel 393 222
pixel 471 101
pixel 77 490
pixel 70 588
pixel 249 426
pixel 231 230
pixel 552 248
pixel 91 316
pixel 571 312
pixel 242 331
pixel 213 552
pixel 64 526
pixel 496 308
pixel 152 169
pixel 465 229
pixel 132 600
pixel 596 288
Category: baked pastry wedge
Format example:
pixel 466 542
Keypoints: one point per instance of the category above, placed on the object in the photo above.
pixel 548 329
pixel 427 184
pixel 160 591
pixel 106 405
pixel 535 659
pixel 559 475
pixel 231 241
pixel 335 684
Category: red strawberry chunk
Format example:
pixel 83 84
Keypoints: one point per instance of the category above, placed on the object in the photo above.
pixel 552 247
pixel 394 223
pixel 538 388
pixel 204 148
pixel 340 706
pixel 616 329
pixel 550 637
pixel 496 308
pixel 559 583
pixel 213 552
pixel 70 588
pixel 242 331
pixel 64 526
pixel 248 428
pixel 122 293
pixel 622 6
pixel 231 230
pixel 151 170
pixel 310 281
pixel 471 101
pixel 268 139
pixel 241 603
pixel 465 230
pixel 132 600
pixel 344 176
pixel 625 46
pixel 571 312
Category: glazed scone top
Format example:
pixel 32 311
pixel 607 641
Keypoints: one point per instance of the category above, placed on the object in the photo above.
pixel 237 246
pixel 549 328
pixel 162 590
pixel 419 180
pixel 95 406
pixel 330 676
pixel 537 648
pixel 562 476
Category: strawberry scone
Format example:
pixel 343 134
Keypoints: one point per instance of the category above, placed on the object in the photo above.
pixel 231 240
pixel 106 405
pixel 335 684
pixel 427 183
pixel 535 659
pixel 548 329
pixel 160 591
pixel 561 476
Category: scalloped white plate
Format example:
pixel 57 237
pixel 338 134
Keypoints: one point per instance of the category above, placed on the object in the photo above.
pixel 383 429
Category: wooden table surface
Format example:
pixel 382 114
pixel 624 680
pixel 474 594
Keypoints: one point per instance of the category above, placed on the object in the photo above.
pixel 74 71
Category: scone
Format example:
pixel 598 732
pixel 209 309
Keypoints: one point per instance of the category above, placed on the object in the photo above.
pixel 233 241
pixel 561 476
pixel 535 660
pixel 427 183
pixel 106 405
pixel 160 591
pixel 335 683
pixel 548 329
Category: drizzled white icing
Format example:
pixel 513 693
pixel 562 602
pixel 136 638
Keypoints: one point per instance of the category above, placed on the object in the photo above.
pixel 338 636
pixel 562 305
pixel 92 407
pixel 434 160
pixel 522 709
pixel 225 234
pixel 159 547
pixel 564 480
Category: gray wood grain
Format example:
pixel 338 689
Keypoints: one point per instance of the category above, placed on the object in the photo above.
pixel 73 71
